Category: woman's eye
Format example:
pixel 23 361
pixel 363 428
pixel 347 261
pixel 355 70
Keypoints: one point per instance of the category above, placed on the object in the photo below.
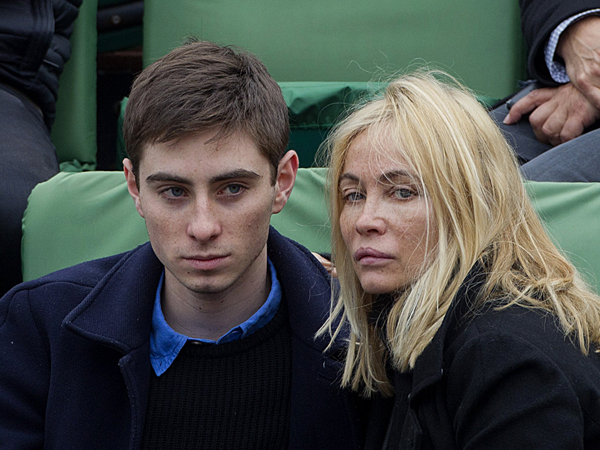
pixel 403 193
pixel 353 197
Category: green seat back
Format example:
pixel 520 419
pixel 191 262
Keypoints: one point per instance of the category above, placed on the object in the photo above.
pixel 314 107
pixel 74 130
pixel 75 217
pixel 353 40
pixel 479 41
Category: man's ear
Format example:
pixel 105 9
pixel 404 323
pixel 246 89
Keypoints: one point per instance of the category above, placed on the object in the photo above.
pixel 132 186
pixel 286 177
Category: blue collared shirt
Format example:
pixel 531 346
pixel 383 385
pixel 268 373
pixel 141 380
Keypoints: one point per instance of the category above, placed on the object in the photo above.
pixel 166 343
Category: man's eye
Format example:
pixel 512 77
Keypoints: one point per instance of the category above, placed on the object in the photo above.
pixel 403 193
pixel 234 189
pixel 174 192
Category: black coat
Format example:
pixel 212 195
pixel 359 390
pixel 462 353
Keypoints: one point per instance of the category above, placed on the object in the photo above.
pixel 75 355
pixel 34 47
pixel 538 19
pixel 499 379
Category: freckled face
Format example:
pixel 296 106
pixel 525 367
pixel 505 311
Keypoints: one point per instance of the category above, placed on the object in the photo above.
pixel 384 219
pixel 207 206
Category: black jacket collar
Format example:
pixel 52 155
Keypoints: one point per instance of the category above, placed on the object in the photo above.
pixel 118 310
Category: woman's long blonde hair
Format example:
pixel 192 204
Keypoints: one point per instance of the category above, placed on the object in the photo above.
pixel 482 215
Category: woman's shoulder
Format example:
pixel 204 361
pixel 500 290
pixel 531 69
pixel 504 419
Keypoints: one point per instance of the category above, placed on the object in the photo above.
pixel 511 371
pixel 500 319
pixel 523 337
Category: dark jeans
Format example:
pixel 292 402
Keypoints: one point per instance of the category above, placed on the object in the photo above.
pixel 27 157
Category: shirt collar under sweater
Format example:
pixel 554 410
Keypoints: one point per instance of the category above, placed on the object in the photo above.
pixel 166 343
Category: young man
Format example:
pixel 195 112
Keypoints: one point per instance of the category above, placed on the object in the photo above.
pixel 204 337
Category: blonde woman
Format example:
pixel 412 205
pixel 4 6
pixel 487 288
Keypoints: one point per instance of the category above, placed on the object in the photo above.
pixel 459 305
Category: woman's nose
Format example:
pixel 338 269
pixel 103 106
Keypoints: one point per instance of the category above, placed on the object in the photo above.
pixel 370 218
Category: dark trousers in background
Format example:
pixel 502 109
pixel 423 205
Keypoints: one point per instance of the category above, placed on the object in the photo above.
pixel 27 157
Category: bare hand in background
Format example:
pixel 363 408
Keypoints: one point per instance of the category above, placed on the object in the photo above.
pixel 557 114
pixel 579 46
pixel 560 114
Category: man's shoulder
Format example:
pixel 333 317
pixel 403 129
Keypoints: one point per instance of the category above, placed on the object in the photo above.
pixel 87 273
pixel 303 278
pixel 70 285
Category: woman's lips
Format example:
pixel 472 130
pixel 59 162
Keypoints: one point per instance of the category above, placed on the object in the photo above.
pixel 369 256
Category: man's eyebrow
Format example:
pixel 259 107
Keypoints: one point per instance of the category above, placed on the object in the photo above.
pixel 170 177
pixel 238 173
pixel 165 176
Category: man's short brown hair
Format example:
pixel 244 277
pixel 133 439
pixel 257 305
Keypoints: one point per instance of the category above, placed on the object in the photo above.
pixel 200 86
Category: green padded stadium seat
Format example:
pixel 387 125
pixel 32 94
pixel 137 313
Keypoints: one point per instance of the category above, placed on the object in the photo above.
pixel 571 212
pixel 347 40
pixel 80 216
pixel 353 40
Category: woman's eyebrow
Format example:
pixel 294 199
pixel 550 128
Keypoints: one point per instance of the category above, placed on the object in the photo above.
pixel 394 175
pixel 348 176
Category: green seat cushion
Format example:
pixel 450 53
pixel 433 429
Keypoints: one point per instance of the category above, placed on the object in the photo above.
pixel 571 212
pixel 75 217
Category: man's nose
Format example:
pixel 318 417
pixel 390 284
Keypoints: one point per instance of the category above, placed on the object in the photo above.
pixel 204 223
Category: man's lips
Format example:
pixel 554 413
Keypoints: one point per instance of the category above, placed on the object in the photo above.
pixel 205 262
pixel 370 256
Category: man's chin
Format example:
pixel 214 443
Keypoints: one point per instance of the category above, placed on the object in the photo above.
pixel 208 288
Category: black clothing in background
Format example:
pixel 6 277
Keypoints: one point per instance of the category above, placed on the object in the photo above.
pixel 34 47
